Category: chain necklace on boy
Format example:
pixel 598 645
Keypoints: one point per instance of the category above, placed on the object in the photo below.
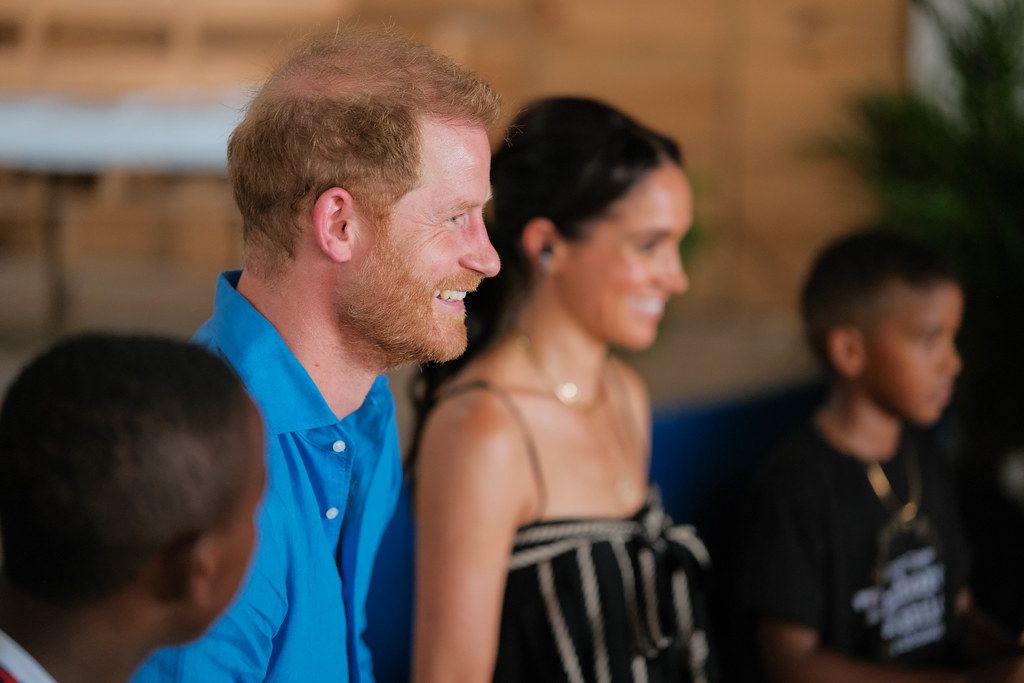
pixel 902 513
pixel 568 394
pixel 905 512
pixel 905 517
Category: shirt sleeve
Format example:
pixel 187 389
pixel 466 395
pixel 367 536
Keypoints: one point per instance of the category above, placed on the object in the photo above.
pixel 782 566
pixel 239 645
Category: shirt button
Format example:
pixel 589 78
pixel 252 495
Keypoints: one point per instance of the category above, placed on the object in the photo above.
pixel 331 513
pixel 338 446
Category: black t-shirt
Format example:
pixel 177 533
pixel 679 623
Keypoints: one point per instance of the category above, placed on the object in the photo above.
pixel 824 551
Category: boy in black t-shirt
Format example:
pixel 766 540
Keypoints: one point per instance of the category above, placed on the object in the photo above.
pixel 856 567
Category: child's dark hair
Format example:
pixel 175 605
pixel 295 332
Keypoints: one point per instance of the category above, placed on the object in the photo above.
pixel 567 159
pixel 112 448
pixel 851 274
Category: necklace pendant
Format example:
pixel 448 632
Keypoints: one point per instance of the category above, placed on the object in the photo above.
pixel 568 393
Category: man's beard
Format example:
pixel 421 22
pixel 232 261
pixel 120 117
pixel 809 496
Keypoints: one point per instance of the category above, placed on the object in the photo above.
pixel 391 314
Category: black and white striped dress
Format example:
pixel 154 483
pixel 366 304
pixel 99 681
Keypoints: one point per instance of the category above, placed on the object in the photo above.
pixel 606 601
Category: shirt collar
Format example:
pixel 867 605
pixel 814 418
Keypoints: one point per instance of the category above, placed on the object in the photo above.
pixel 285 392
pixel 20 663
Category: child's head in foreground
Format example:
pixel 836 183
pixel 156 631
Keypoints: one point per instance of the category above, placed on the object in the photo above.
pixel 881 311
pixel 129 466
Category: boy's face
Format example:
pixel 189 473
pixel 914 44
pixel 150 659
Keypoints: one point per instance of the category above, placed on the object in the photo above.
pixel 910 358
pixel 235 538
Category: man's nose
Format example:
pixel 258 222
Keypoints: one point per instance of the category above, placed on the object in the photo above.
pixel 480 254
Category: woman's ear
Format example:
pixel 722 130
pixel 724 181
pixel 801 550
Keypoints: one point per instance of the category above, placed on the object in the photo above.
pixel 543 246
pixel 335 224
pixel 846 350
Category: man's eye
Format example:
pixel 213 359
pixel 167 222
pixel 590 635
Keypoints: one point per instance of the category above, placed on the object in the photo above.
pixel 457 219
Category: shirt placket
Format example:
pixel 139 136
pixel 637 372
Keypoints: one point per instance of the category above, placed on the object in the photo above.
pixel 334 466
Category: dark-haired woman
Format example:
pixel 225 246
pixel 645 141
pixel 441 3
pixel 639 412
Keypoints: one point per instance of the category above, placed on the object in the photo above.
pixel 542 554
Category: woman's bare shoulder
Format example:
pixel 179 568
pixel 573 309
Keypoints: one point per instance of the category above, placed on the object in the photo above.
pixel 475 439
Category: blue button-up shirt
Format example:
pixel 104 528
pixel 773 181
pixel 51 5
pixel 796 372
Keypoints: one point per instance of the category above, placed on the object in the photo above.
pixel 332 486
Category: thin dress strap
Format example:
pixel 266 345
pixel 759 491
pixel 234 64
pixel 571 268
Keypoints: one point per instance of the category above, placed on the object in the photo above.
pixel 517 415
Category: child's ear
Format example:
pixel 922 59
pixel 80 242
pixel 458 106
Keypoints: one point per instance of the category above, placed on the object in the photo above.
pixel 182 581
pixel 846 351
pixel 184 570
pixel 202 570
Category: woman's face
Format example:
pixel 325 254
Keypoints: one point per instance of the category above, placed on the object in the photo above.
pixel 618 279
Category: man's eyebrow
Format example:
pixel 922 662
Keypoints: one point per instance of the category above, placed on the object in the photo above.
pixel 469 203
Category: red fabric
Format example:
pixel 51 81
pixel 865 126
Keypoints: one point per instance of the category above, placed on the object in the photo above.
pixel 6 676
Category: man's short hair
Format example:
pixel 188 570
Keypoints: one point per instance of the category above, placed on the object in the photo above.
pixel 112 448
pixel 343 111
pixel 851 276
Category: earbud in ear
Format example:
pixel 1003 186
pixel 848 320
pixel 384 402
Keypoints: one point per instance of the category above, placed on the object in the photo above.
pixel 544 258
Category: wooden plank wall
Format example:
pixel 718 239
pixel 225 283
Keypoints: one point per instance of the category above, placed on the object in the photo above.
pixel 105 47
pixel 744 85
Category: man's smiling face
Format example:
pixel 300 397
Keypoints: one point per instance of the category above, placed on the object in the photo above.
pixel 431 253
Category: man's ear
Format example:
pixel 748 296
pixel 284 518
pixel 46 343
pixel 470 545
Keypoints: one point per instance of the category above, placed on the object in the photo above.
pixel 847 351
pixel 543 246
pixel 335 224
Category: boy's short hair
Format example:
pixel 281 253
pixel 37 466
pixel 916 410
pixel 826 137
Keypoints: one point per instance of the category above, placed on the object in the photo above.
pixel 852 274
pixel 111 449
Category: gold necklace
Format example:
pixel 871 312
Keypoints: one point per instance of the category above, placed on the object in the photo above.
pixel 902 513
pixel 567 392
pixel 904 517
pixel 905 512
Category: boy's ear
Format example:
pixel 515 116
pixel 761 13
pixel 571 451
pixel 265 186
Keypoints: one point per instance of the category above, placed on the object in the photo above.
pixel 166 576
pixel 185 570
pixel 202 572
pixel 846 351
pixel 544 247
pixel 335 224
pixel 183 580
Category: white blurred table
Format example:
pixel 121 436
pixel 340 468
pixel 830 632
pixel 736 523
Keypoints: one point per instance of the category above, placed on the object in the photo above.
pixel 71 142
